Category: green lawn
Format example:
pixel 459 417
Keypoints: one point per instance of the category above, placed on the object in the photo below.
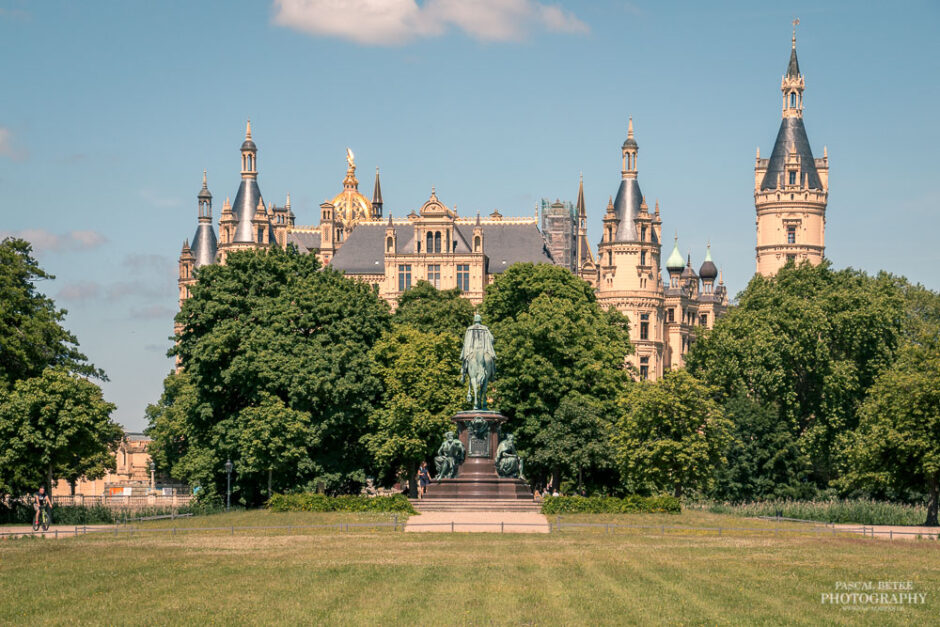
pixel 379 577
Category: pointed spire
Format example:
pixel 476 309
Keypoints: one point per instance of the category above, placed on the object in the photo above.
pixel 377 192
pixel 204 181
pixel 390 218
pixel 630 128
pixel 287 204
pixel 478 219
pixel 610 204
pixel 793 67
pixel 657 206
pixel 248 129
pixel 581 209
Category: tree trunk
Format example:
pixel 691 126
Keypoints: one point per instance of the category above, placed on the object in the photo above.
pixel 678 491
pixel 49 480
pixel 556 479
pixel 412 480
pixel 932 502
pixel 72 483
pixel 269 482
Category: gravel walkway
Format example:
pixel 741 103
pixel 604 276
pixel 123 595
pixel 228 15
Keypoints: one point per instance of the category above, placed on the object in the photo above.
pixel 493 522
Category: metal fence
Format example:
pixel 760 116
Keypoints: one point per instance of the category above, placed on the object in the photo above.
pixel 556 526
pixel 142 501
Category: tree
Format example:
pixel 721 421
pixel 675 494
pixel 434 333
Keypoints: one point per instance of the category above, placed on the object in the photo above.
pixel 268 325
pixel 420 372
pixel 896 447
pixel 552 341
pixel 670 436
pixel 809 341
pixel 764 459
pixel 575 440
pixel 425 308
pixel 54 426
pixel 31 336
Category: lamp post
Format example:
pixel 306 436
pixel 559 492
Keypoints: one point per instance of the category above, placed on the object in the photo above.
pixel 228 490
pixel 153 470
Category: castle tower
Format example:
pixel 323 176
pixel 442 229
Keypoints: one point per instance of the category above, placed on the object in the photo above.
pixel 791 188
pixel 203 250
pixel 247 222
pixel 629 273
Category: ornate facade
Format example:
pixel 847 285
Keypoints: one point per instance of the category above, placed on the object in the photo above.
pixel 791 188
pixel 627 276
pixel 434 243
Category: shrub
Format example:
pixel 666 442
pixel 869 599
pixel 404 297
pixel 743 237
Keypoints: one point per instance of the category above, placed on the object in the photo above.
pixel 22 513
pixel 631 504
pixel 310 502
pixel 855 511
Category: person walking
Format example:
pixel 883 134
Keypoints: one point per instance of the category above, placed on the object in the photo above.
pixel 424 478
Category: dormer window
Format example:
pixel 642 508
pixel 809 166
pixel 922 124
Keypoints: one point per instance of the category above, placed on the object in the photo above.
pixel 792 177
pixel 792 99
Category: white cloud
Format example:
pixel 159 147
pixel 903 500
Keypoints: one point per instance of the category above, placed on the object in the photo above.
pixel 8 149
pixel 79 291
pixel 390 22
pixel 47 241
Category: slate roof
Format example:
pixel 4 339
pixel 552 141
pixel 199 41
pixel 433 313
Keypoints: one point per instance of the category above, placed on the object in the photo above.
pixel 793 67
pixel 791 133
pixel 246 201
pixel 626 208
pixel 504 244
pixel 205 244
pixel 304 241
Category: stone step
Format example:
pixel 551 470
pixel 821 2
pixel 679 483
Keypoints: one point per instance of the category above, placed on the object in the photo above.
pixel 476 505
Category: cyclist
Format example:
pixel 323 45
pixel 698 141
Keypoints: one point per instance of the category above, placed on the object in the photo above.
pixel 41 499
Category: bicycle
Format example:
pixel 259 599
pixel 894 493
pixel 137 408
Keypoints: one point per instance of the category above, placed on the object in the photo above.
pixel 43 519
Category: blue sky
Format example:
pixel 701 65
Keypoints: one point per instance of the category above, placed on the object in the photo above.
pixel 110 111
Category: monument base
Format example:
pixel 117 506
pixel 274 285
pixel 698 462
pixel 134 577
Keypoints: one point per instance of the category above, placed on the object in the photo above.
pixel 476 476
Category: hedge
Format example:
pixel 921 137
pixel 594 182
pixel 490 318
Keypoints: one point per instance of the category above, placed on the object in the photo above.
pixel 854 511
pixel 311 502
pixel 611 505
pixel 22 513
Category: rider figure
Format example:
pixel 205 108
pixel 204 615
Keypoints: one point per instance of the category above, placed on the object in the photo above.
pixel 41 499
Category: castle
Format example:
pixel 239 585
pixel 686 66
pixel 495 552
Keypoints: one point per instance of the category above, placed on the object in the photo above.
pixel 435 244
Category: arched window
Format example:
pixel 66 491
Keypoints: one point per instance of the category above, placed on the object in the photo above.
pixel 437 241
pixel 430 246
pixel 792 98
pixel 388 245
pixel 476 244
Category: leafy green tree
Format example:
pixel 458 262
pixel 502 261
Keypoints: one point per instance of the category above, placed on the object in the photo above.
pixel 553 341
pixel 271 325
pixel 764 459
pixel 809 341
pixel 671 436
pixel 31 335
pixel 428 309
pixel 896 448
pixel 420 372
pixel 575 441
pixel 53 426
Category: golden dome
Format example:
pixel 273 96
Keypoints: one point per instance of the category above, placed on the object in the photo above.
pixel 351 206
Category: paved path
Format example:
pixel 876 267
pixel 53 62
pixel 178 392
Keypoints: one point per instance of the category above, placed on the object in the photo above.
pixel 893 532
pixel 64 531
pixel 493 522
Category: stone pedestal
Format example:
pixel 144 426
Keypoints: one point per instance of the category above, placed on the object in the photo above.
pixel 476 476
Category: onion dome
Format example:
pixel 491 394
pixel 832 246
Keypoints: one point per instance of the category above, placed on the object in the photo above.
pixel 708 270
pixel 674 263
